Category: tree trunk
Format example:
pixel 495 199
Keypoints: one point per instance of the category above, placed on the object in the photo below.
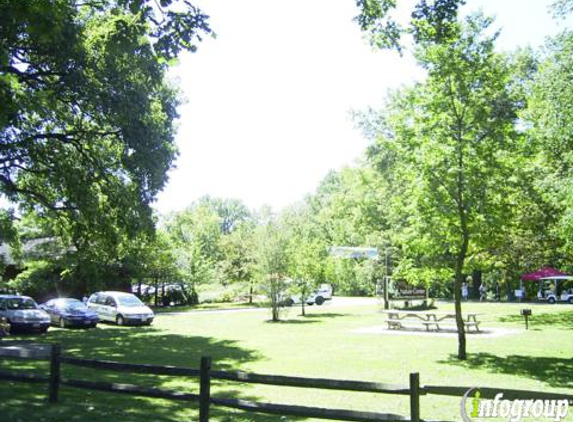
pixel 458 306
pixel 156 291
pixel 251 293
pixel 462 253
pixel 275 291
pixel 460 259
pixel 476 282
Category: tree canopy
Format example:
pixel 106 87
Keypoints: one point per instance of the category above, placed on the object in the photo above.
pixel 86 126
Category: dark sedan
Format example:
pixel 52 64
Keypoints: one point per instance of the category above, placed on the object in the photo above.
pixel 70 313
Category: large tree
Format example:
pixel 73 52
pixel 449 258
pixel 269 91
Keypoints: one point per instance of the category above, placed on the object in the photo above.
pixel 86 123
pixel 447 143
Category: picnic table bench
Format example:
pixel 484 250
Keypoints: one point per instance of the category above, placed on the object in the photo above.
pixel 429 319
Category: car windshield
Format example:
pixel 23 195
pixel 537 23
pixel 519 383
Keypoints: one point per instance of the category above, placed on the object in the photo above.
pixel 129 301
pixel 73 306
pixel 21 303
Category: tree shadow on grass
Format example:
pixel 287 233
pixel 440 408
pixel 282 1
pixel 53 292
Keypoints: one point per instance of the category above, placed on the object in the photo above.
pixel 152 346
pixel 307 319
pixel 225 414
pixel 325 315
pixel 292 321
pixel 147 345
pixel 556 372
pixel 563 320
pixel 25 402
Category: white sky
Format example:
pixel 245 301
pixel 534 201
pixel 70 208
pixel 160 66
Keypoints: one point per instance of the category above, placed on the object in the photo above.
pixel 267 101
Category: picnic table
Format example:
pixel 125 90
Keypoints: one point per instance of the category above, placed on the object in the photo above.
pixel 429 319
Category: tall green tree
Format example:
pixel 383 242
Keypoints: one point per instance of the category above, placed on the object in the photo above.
pixel 449 142
pixel 551 119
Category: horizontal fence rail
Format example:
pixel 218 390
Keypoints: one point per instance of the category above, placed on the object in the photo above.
pixel 309 412
pixel 54 380
pixel 22 377
pixel 136 390
pixel 25 350
pixel 320 383
pixel 490 393
pixel 137 368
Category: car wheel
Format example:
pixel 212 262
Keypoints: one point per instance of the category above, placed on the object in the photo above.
pixel 44 330
pixel 319 300
pixel 570 300
pixel 120 320
pixel 551 300
pixel 62 323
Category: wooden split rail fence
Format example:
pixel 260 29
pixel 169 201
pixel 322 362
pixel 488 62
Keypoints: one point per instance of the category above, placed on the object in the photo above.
pixel 55 379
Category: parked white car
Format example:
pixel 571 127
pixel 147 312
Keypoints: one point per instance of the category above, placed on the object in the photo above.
pixel 120 307
pixel 319 296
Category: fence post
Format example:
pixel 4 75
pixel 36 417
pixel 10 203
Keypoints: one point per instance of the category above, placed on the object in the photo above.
pixel 54 373
pixel 205 389
pixel 415 397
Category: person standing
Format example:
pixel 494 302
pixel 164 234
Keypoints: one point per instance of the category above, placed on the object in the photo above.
pixel 482 292
pixel 465 291
pixel 4 327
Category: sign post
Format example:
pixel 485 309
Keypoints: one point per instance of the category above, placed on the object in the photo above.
pixel 385 291
pixel 526 314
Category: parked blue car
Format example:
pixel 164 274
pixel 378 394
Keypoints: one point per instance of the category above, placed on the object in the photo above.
pixel 70 313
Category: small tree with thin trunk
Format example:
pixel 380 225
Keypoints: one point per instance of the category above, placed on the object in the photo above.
pixel 272 263
pixel 447 147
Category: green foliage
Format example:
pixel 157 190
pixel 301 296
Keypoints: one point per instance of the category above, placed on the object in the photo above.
pixel 86 127
pixel 39 280
pixel 8 235
pixel 552 120
pixel 447 151
pixel 212 242
pixel 434 21
pixel 446 148
pixel 384 32
pixel 350 208
pixel 272 262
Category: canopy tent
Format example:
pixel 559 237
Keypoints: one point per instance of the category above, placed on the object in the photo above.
pixel 545 272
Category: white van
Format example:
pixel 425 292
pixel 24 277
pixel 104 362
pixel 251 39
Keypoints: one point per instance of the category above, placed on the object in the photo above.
pixel 121 308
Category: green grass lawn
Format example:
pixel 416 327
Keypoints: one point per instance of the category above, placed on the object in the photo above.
pixel 323 344
pixel 208 307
